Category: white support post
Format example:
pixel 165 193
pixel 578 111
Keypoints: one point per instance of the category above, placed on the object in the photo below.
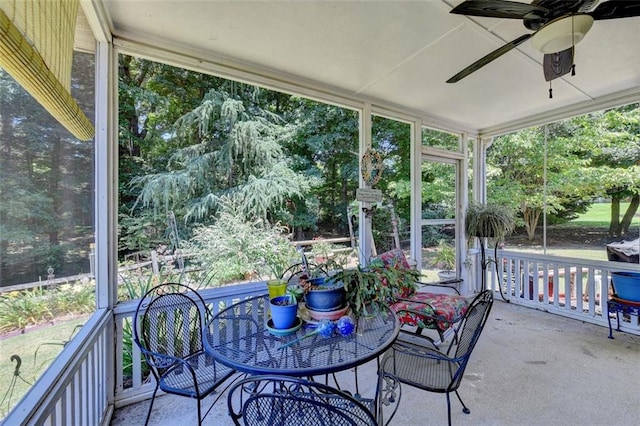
pixel 416 193
pixel 364 223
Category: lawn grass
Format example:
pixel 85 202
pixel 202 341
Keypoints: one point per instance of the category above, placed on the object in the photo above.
pixel 36 349
pixel 599 215
pixel 590 254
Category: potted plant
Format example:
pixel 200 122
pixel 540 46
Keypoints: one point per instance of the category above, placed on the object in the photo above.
pixel 319 290
pixel 324 294
pixel 445 259
pixel 284 311
pixel 277 256
pixel 485 222
pixel 376 283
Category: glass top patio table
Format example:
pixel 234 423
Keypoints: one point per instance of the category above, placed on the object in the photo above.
pixel 238 337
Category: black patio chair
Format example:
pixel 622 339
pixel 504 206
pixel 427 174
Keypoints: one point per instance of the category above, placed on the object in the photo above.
pixel 290 401
pixel 168 329
pixel 429 369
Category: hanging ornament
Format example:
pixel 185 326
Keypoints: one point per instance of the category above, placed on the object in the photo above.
pixel 371 166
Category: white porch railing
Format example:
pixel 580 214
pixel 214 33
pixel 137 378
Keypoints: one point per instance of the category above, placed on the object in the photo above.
pixel 74 389
pixel 576 288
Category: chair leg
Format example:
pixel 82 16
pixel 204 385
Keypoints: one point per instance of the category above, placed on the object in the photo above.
pixel 448 409
pixel 199 414
pixel 464 407
pixel 153 398
pixel 388 394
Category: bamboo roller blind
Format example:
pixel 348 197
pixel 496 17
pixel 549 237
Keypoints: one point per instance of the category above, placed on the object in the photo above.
pixel 36 49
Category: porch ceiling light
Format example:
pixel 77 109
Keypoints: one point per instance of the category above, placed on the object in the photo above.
pixel 562 33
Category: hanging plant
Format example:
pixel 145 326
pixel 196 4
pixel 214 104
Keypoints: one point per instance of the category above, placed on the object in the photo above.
pixel 489 221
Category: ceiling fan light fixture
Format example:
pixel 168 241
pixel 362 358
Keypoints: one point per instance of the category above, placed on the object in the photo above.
pixel 562 33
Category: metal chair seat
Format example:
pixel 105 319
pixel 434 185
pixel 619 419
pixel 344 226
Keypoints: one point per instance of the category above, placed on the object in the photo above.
pixel 178 380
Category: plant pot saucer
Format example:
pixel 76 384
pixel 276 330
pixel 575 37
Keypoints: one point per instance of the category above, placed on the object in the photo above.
pixel 313 317
pixel 283 332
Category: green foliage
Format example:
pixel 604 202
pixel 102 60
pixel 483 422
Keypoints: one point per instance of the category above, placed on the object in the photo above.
pixel 127 352
pixel 135 283
pixel 328 255
pixel 324 150
pixel 46 187
pixel 232 151
pixel 445 257
pixel 20 309
pixel 489 221
pixel 586 157
pixel 233 248
pixel 517 178
pixel 375 284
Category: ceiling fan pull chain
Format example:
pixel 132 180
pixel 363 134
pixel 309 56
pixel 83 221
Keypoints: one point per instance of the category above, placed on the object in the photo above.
pixel 550 91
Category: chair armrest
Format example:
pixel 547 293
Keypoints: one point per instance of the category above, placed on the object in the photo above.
pixel 426 317
pixel 423 352
pixel 158 360
pixel 448 284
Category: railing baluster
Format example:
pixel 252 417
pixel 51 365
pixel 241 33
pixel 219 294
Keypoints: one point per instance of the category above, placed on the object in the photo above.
pixel 578 288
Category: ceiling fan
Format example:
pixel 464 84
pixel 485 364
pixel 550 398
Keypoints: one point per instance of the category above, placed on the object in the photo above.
pixel 558 26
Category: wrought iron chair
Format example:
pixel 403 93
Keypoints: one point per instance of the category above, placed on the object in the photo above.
pixel 428 368
pixel 426 310
pixel 290 401
pixel 168 329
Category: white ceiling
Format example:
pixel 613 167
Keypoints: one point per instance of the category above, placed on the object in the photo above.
pixel 393 53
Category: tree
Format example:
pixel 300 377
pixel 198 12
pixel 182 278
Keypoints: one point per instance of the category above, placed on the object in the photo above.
pixel 325 150
pixel 612 139
pixel 46 176
pixel 517 177
pixel 233 150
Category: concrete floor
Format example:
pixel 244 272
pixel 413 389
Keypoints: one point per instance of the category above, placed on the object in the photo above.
pixel 529 368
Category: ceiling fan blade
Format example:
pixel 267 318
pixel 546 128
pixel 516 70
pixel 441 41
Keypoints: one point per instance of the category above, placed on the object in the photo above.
pixel 556 65
pixel 488 58
pixel 498 9
pixel 614 9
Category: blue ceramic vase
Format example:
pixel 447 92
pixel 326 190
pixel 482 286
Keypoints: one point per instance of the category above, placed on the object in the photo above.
pixel 328 295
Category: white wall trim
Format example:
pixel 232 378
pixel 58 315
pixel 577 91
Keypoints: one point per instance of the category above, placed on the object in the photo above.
pixel 564 112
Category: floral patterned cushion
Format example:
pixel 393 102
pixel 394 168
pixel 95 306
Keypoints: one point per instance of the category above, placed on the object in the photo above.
pixel 447 308
pixel 396 259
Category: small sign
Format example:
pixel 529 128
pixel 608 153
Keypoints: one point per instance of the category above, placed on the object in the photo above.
pixel 367 195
